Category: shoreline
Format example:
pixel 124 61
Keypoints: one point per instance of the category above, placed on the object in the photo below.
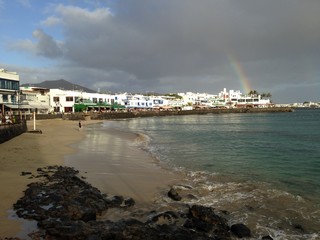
pixel 119 166
pixel 60 140
pixel 123 176
pixel 26 153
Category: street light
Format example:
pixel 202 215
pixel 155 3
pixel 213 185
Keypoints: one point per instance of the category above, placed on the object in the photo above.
pixel 18 93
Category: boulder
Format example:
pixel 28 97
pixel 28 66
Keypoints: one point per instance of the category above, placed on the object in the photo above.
pixel 240 230
pixel 174 195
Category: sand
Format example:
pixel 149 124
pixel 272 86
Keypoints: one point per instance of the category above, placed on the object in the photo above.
pixel 128 171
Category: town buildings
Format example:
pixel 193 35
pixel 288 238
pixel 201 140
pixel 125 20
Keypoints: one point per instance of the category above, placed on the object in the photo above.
pixel 66 101
pixel 42 100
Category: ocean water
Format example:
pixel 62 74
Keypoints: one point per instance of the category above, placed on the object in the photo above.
pixel 263 168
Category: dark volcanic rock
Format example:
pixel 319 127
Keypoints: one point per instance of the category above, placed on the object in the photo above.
pixel 240 230
pixel 61 195
pixel 66 207
pixel 174 195
pixel 205 219
pixel 266 238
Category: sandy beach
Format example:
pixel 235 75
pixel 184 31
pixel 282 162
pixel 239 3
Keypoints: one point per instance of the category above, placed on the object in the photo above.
pixel 128 171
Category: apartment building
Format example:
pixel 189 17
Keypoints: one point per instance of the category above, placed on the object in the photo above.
pixel 9 90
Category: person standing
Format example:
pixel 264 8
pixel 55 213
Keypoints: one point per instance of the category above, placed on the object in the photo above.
pixel 80 125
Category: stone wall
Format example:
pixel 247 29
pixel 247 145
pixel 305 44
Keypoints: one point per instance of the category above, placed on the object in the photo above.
pixel 135 114
pixel 10 131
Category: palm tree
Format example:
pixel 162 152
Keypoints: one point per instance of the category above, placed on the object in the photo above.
pixel 266 95
pixel 253 92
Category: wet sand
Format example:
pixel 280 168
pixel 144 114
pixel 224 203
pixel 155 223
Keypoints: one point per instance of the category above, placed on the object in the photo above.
pixel 117 168
pixel 114 164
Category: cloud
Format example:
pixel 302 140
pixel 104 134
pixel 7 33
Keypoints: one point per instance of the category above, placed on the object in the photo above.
pixel 51 21
pixel 45 45
pixel 185 45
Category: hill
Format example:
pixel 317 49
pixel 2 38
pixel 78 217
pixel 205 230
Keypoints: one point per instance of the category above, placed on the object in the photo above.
pixel 59 84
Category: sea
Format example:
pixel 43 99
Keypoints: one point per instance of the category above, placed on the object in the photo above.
pixel 261 168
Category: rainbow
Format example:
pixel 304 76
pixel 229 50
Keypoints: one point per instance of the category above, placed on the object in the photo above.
pixel 239 71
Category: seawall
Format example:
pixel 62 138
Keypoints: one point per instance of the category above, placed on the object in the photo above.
pixel 10 131
pixel 136 114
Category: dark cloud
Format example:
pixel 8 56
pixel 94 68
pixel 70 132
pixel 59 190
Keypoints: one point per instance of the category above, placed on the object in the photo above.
pixel 188 45
pixel 46 46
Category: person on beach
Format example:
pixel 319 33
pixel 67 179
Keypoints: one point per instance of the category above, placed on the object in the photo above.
pixel 80 125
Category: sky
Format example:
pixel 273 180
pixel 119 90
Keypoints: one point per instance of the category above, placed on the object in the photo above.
pixel 166 46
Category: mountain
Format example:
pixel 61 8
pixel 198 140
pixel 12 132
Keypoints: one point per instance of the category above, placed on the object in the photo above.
pixel 59 84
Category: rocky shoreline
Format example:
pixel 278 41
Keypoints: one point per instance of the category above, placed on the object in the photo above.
pixel 67 207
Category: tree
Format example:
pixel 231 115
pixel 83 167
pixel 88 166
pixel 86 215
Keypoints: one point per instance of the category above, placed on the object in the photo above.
pixel 266 95
pixel 253 92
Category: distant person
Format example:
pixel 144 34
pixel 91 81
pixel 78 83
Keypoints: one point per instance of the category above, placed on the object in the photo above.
pixel 80 125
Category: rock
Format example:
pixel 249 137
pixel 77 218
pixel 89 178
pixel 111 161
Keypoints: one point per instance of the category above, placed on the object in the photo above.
pixel 204 219
pixel 66 207
pixel 167 217
pixel 115 201
pixel 173 194
pixel 129 202
pixel 240 230
pixel 25 173
pixel 298 227
pixel 266 238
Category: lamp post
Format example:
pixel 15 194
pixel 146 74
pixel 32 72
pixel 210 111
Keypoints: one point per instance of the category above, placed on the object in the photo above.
pixel 18 93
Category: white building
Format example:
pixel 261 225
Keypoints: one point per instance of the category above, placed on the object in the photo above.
pixel 62 101
pixel 34 99
pixel 197 99
pixel 233 98
pixel 9 90
pixel 139 101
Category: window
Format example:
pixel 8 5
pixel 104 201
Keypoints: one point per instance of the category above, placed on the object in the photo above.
pixel 100 100
pixel 94 100
pixel 56 99
pixel 69 99
pixel 56 109
pixel 5 98
pixel 67 109
pixel 9 84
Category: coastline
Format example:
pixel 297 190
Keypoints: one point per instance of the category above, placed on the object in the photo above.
pixel 116 165
pixel 26 153
pixel 129 170
pixel 119 167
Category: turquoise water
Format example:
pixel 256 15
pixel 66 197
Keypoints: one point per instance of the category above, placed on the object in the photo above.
pixel 278 148
pixel 266 162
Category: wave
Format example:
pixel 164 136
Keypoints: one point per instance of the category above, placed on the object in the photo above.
pixel 267 211
pixel 142 141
